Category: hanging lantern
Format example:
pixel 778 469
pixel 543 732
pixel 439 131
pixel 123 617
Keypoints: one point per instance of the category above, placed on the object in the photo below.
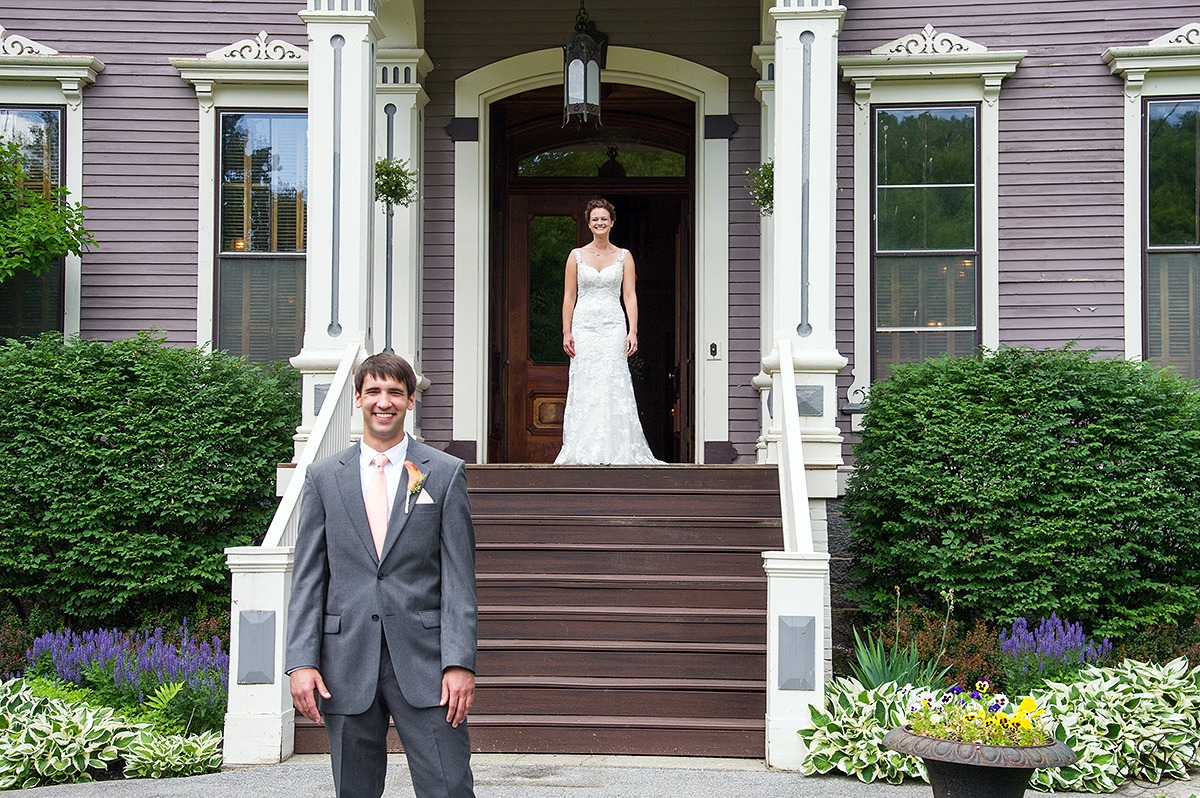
pixel 583 57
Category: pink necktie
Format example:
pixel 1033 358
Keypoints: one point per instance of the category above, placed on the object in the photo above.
pixel 376 501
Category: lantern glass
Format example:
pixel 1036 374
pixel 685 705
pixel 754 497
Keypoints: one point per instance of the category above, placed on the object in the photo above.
pixel 592 95
pixel 574 82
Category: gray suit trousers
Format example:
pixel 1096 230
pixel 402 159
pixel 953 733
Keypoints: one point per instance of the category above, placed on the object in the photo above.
pixel 438 754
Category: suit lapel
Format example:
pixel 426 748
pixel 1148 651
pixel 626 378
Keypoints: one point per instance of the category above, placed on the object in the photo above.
pixel 349 481
pixel 418 453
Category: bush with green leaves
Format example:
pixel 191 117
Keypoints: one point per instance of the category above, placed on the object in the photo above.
pixel 35 230
pixel 1029 482
pixel 50 740
pixel 1134 721
pixel 126 468
pixel 847 733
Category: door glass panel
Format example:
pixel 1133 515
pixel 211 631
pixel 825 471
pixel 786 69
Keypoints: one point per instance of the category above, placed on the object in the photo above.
pixel 551 239
pixel 604 159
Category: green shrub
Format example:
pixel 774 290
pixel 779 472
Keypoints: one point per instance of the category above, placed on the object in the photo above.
pixel 1029 482
pixel 877 663
pixel 1133 722
pixel 847 734
pixel 59 739
pixel 127 468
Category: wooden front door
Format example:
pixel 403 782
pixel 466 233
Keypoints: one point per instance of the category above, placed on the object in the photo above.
pixel 542 230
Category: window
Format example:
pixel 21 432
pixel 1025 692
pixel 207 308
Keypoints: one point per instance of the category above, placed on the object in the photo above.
pixel 1173 235
pixel 925 257
pixel 260 261
pixel 31 305
pixel 926 201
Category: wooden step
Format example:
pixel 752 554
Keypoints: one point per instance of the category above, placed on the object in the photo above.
pixel 671 478
pixel 623 558
pixel 608 590
pixel 623 658
pixel 700 698
pixel 766 533
pixel 548 622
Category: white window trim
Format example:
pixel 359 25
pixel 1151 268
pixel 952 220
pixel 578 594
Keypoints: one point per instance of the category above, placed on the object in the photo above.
pixel 34 74
pixel 922 68
pixel 1168 65
pixel 257 74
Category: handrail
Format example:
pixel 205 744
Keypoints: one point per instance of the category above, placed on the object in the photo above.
pixel 331 433
pixel 793 487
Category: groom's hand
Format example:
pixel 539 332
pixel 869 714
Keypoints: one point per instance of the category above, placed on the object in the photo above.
pixel 458 694
pixel 306 682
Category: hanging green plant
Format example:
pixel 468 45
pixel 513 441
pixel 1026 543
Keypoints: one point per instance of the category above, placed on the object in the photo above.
pixel 760 182
pixel 395 182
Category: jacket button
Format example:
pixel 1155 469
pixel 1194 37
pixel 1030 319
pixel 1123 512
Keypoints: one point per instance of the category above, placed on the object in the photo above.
pixel 379 577
pixel 374 617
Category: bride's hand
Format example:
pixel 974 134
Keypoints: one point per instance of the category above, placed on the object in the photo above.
pixel 630 344
pixel 569 344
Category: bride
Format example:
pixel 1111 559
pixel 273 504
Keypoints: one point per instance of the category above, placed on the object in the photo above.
pixel 601 423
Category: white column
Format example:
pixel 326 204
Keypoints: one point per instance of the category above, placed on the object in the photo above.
pixel 399 125
pixel 341 213
pixel 767 445
pixel 260 719
pixel 803 285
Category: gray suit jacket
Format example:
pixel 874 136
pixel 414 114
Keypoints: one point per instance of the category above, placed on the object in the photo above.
pixel 422 590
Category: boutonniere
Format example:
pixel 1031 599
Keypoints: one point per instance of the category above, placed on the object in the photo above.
pixel 416 480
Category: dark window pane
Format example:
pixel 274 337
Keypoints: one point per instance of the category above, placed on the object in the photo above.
pixel 1173 182
pixel 264 178
pixel 929 292
pixel 925 146
pixel 260 313
pixel 604 159
pixel 926 217
pixel 1173 311
pixel 896 348
pixel 32 305
pixel 550 241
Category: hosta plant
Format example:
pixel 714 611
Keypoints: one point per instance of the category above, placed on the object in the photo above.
pixel 49 741
pixel 1133 721
pixel 847 732
pixel 162 756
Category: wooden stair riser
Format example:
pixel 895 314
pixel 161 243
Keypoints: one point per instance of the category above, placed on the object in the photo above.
pixel 506 591
pixel 673 480
pixel 628 505
pixel 666 561
pixel 538 625
pixel 765 534
pixel 679 702
pixel 624 664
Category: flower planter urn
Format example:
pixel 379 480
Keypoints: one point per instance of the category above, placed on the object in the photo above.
pixel 976 770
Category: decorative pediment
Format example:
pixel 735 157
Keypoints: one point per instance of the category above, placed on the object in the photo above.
pixel 928 41
pixel 260 49
pixel 19 45
pixel 1180 37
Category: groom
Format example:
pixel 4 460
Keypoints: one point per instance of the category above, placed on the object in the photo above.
pixel 383 614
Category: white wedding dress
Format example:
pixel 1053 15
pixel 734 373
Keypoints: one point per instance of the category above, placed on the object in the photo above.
pixel 601 424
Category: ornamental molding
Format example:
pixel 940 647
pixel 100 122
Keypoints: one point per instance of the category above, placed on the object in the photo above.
pixel 1180 37
pixel 20 45
pixel 928 41
pixel 259 49
pixel 1177 52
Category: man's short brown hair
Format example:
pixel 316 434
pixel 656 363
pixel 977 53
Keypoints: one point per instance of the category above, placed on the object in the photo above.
pixel 384 365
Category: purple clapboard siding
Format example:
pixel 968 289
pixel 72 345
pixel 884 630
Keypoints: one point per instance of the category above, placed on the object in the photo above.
pixel 140 135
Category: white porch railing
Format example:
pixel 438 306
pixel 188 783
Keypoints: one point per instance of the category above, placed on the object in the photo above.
pixel 260 719
pixel 793 485
pixel 797 587
pixel 330 434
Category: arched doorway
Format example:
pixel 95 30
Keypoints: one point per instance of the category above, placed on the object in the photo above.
pixel 642 159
